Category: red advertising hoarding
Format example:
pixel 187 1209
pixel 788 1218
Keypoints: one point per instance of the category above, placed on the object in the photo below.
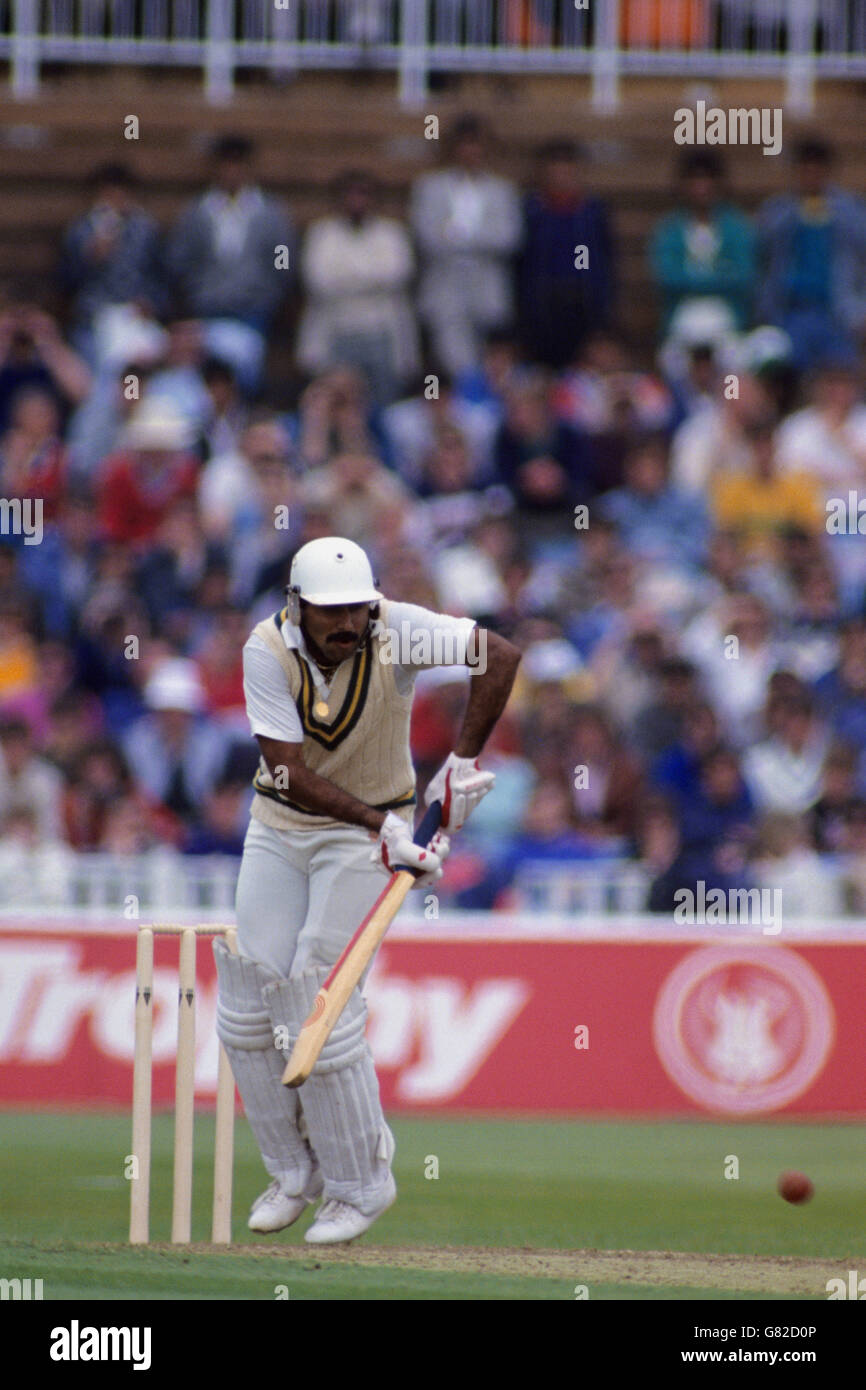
pixel 618 1021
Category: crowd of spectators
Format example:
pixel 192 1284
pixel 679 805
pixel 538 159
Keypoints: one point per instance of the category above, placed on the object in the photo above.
pixel 649 523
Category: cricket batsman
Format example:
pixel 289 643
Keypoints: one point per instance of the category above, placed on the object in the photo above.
pixel 329 684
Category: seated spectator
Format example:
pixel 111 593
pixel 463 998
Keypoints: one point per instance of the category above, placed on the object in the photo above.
pixel 657 522
pixel 607 398
pixel 18 655
pixel 34 354
pixel 676 771
pixel 411 427
pixel 178 378
pixel 484 385
pixel 361 496
pixel 659 725
pixel 784 772
pixel 715 439
pixel 812 247
pixel 809 629
pixel 223 255
pixel 27 781
pixel 335 415
pixel 229 491
pixel 827 438
pixel 450 507
pixel 32 456
pixel 546 465
pixel 673 867
pixel 153 468
pixel 840 694
pixel 223 822
pixel 758 503
pixel 735 673
pixel 228 415
pixel 706 247
pixel 562 304
pixel 830 815
pixel 111 256
pixel 175 754
pixel 33 869
pixel 467 225
pixel 169 571
pixel 356 269
pixel 786 861
pixel 720 808
pixel 96 426
pixel 607 780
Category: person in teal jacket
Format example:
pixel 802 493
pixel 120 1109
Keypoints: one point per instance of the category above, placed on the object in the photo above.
pixel 706 246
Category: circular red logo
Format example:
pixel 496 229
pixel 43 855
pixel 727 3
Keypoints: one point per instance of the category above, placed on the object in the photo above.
pixel 742 1029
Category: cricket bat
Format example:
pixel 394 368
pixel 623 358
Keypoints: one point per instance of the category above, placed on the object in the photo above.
pixel 334 995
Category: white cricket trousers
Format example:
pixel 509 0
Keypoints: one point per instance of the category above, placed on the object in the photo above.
pixel 302 893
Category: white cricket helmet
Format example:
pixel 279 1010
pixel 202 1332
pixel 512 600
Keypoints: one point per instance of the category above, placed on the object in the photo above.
pixel 332 570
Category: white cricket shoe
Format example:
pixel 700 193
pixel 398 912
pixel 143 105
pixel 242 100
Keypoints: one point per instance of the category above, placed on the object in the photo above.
pixel 337 1222
pixel 274 1210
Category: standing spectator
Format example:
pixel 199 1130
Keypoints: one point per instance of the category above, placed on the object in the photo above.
pixel 153 468
pixel 224 254
pixel 356 267
pixel 111 256
pixel 561 303
pixel 705 248
pixel 813 252
pixel 468 225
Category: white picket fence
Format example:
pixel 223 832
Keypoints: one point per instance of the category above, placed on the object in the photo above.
pixel 797 40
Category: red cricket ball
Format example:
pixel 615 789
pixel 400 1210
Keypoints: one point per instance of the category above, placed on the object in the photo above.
pixel 795 1187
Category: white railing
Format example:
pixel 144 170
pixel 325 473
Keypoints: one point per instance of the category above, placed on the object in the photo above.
pixel 797 40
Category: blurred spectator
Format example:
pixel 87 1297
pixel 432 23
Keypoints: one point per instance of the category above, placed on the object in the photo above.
pixel 813 260
pixel 735 672
pixel 224 255
pixel 32 456
pixel 784 772
pixel 411 426
pixel 840 694
pixel 562 303
pixel 607 398
pixel 674 867
pixel 362 497
pixel 111 256
pixel 657 522
pixel 676 771
pixel 829 817
pixel 229 492
pixel 467 225
pixel 786 861
pixel 335 416
pixel 175 755
pixel 27 782
pixel 705 248
pixel 95 427
pixel 356 268
pixel 715 439
pixel 827 438
pixel 178 378
pixel 33 353
pixel 228 414
pixel 222 826
pixel 169 571
pixel 758 503
pixel 607 780
pixel 659 725
pixel 720 807
pixel 18 669
pixel 545 464
pixel 153 468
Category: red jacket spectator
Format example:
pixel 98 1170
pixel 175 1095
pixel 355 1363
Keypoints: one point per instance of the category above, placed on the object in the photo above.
pixel 151 471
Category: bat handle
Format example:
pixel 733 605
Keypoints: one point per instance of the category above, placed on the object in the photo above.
pixel 426 830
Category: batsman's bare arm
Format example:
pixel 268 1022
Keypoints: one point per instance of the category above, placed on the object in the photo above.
pixel 315 792
pixel 488 692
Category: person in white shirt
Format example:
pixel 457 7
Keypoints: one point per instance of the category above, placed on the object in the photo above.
pixel 468 225
pixel 356 270
pixel 828 437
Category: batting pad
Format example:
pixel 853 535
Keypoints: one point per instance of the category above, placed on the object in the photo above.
pixel 244 1029
pixel 340 1098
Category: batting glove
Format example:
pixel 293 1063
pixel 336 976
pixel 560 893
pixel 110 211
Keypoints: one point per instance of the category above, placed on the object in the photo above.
pixel 395 847
pixel 459 785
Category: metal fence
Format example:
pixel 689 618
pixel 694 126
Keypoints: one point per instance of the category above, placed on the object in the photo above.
pixel 797 40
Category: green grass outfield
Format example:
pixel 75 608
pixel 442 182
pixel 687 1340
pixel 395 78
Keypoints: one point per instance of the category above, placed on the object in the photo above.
pixel 520 1210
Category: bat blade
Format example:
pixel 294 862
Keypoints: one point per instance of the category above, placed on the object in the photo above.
pixel 335 993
